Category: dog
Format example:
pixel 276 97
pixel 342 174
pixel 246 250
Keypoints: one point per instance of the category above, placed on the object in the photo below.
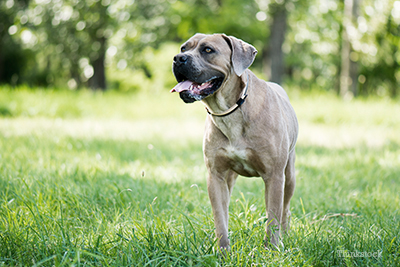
pixel 251 128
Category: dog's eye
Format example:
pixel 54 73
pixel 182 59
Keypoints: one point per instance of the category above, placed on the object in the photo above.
pixel 183 49
pixel 208 50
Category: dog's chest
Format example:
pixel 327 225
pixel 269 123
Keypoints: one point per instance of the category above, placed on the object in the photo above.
pixel 242 160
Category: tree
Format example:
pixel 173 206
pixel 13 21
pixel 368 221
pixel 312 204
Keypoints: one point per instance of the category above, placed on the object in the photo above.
pixel 349 70
pixel 273 56
pixel 376 47
pixel 76 35
pixel 74 39
pixel 12 57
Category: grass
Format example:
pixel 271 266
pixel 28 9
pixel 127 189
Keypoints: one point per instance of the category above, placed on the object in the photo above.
pixel 111 179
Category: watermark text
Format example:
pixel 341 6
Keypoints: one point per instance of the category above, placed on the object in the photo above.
pixel 358 254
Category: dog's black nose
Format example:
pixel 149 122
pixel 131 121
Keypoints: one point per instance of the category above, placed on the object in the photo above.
pixel 180 59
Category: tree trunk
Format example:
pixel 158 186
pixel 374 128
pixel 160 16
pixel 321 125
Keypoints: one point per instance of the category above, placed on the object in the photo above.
pixel 349 68
pixel 1 64
pixel 274 66
pixel 98 80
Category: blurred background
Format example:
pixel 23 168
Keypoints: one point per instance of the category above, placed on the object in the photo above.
pixel 350 47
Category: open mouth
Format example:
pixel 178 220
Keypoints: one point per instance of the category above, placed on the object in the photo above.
pixel 199 90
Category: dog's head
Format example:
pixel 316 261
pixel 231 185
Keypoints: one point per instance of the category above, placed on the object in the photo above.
pixel 206 63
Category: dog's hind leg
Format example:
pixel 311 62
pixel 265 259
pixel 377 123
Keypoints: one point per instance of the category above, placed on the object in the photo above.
pixel 219 191
pixel 274 193
pixel 290 182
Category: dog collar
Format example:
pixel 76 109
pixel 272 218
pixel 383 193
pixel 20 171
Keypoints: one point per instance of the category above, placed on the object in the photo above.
pixel 234 107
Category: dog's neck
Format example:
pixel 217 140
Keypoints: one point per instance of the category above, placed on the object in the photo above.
pixel 227 96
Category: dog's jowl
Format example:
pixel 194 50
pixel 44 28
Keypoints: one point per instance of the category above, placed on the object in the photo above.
pixel 251 128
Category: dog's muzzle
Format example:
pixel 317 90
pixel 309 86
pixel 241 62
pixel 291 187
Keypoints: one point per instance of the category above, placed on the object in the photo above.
pixel 194 84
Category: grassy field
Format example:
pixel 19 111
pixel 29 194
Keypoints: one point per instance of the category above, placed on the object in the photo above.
pixel 93 179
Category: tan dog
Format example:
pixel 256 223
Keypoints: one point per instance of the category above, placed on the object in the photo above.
pixel 251 129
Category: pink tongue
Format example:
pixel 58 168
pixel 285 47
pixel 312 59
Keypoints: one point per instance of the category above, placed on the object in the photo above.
pixel 182 86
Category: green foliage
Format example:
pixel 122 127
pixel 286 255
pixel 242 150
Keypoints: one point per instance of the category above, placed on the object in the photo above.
pixel 118 179
pixel 66 43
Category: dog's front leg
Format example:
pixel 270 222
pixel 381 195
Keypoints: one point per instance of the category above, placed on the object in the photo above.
pixel 274 193
pixel 220 187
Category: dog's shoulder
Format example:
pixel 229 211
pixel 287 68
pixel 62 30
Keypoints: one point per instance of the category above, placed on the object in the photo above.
pixel 276 88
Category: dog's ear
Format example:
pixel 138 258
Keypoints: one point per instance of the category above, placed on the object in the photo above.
pixel 243 54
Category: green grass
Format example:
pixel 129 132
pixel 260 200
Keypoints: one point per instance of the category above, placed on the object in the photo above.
pixel 118 180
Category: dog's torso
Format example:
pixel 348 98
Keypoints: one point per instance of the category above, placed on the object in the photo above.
pixel 257 137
